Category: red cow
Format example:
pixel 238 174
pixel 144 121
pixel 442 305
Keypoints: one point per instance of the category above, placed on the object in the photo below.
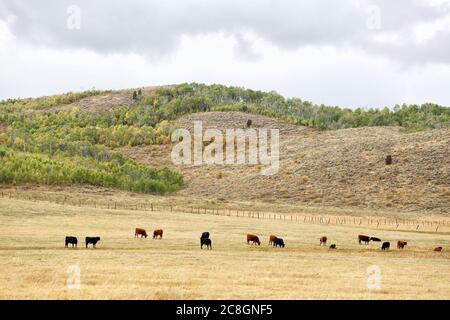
pixel 140 232
pixel 252 238
pixel 364 239
pixel 272 239
pixel 157 233
pixel 401 244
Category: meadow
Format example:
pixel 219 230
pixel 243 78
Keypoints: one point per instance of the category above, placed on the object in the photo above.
pixel 35 265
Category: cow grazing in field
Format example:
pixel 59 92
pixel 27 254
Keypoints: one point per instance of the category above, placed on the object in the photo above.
pixel 438 249
pixel 71 240
pixel 333 246
pixel 92 240
pixel 206 242
pixel 385 246
pixel 375 239
pixel 140 232
pixel 362 238
pixel 272 239
pixel 279 242
pixel 401 244
pixel 323 240
pixel 205 235
pixel 157 233
pixel 253 239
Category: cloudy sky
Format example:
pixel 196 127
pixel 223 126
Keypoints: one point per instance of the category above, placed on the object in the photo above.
pixel 355 53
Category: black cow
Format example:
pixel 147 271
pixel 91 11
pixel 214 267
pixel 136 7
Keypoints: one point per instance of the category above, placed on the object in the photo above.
pixel 71 240
pixel 385 246
pixel 278 243
pixel 92 240
pixel 375 239
pixel 205 241
pixel 333 246
pixel 205 235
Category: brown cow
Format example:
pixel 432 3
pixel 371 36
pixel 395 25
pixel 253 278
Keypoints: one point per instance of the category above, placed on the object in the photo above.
pixel 401 244
pixel 157 233
pixel 272 239
pixel 323 240
pixel 140 232
pixel 362 238
pixel 254 239
pixel 438 249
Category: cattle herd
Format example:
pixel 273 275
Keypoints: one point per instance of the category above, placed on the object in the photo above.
pixel 251 239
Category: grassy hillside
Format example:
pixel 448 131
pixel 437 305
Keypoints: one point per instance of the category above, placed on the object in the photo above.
pixel 73 146
pixel 331 168
pixel 80 137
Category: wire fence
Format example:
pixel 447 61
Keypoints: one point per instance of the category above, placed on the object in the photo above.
pixel 420 225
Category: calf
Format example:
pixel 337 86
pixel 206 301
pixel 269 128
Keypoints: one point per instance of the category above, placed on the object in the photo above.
pixel 438 249
pixel 323 240
pixel 333 246
pixel 71 240
pixel 205 241
pixel 278 243
pixel 362 238
pixel 157 233
pixel 253 239
pixel 140 232
pixel 92 240
pixel 385 246
pixel 401 244
pixel 375 239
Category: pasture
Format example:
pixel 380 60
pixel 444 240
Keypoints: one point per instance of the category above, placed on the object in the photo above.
pixel 34 263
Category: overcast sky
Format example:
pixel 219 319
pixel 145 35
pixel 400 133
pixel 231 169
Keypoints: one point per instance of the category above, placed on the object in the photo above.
pixel 355 53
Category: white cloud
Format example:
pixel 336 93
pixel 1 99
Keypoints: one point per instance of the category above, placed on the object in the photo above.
pixel 318 50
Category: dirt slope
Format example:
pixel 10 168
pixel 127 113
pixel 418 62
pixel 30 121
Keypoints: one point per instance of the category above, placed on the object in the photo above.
pixel 332 168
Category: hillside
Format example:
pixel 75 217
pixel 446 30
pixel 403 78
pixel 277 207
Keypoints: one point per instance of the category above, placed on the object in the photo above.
pixel 330 156
pixel 334 168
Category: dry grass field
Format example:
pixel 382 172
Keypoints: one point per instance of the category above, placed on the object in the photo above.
pixel 34 263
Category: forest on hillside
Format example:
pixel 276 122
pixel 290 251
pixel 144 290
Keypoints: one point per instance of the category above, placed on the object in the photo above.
pixel 42 143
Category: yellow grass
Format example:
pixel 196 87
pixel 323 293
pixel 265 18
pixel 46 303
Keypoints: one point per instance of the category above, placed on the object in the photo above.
pixel 34 262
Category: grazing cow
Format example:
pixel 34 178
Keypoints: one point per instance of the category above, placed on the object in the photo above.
pixel 252 238
pixel 362 238
pixel 323 240
pixel 375 239
pixel 401 244
pixel 385 246
pixel 157 233
pixel 272 239
pixel 205 241
pixel 438 249
pixel 333 246
pixel 92 240
pixel 278 243
pixel 141 232
pixel 205 235
pixel 71 240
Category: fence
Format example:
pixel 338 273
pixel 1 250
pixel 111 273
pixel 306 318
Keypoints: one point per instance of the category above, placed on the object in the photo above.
pixel 371 222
